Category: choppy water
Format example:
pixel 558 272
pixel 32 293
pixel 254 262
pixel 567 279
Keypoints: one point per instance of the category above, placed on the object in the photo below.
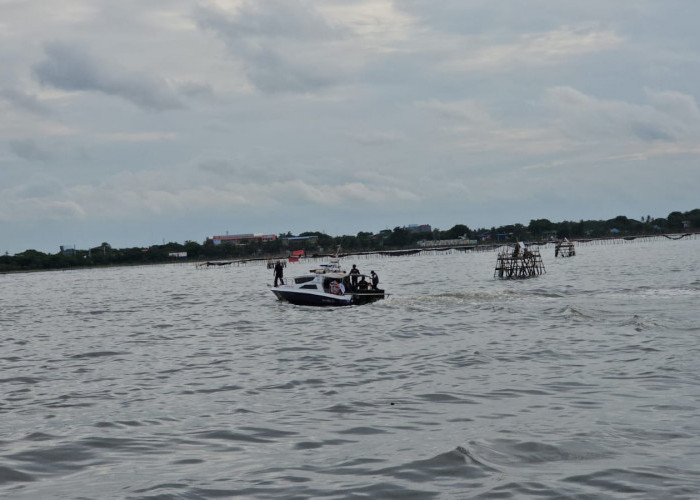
pixel 175 382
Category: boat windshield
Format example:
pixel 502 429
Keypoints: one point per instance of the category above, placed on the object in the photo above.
pixel 303 279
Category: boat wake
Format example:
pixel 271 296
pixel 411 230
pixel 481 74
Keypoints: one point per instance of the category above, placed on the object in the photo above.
pixel 455 298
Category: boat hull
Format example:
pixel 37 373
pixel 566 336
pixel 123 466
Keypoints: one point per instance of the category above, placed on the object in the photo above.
pixel 317 298
pixel 309 298
pixel 365 297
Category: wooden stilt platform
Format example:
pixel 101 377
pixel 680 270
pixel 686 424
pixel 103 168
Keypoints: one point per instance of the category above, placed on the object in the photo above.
pixel 564 249
pixel 518 264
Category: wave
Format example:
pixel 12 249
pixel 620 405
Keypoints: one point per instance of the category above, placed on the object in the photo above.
pixel 457 463
pixel 455 298
pixel 511 451
pixel 641 323
pixel 659 482
pixel 10 475
pixel 574 313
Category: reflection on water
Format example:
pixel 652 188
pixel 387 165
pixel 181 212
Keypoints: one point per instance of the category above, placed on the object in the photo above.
pixel 177 382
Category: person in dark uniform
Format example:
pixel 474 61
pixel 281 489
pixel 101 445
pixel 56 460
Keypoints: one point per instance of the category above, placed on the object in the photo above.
pixel 354 272
pixel 279 273
pixel 375 279
pixel 363 284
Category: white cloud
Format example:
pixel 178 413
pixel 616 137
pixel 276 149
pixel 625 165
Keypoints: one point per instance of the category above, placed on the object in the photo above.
pixel 130 194
pixel 283 44
pixel 136 136
pixel 669 116
pixel 483 54
pixel 469 126
pixel 306 47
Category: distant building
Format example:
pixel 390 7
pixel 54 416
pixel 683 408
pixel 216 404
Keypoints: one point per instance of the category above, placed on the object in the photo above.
pixel 67 250
pixel 242 239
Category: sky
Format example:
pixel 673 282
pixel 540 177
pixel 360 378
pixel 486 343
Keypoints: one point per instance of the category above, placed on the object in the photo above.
pixel 140 122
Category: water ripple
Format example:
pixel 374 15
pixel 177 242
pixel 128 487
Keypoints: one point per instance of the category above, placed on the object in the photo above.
pixel 169 382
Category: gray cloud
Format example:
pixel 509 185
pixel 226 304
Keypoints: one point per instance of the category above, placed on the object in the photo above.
pixel 193 89
pixel 647 131
pixel 274 20
pixel 376 138
pixel 69 67
pixel 271 71
pixel 241 170
pixel 285 45
pixel 28 150
pixel 25 101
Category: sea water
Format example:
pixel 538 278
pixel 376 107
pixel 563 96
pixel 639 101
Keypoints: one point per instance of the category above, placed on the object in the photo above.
pixel 178 382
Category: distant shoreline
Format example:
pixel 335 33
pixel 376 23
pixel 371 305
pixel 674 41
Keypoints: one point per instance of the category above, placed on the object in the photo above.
pixel 479 247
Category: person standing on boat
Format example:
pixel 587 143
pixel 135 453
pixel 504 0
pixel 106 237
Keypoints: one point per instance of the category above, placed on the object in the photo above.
pixel 354 273
pixel 279 273
pixel 375 279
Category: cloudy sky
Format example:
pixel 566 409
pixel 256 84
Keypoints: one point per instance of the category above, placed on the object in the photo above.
pixel 142 121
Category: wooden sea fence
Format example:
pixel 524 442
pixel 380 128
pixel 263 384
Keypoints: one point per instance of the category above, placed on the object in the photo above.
pixel 408 252
pixel 648 238
pixel 234 263
pixel 272 262
pixel 612 240
pixel 518 263
pixel 217 263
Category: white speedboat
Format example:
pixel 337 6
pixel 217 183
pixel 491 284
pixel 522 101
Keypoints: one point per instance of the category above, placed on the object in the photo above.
pixel 328 285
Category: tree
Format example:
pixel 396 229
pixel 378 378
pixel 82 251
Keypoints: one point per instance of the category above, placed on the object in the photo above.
pixel 364 240
pixel 399 237
pixel 675 221
pixel 324 240
pixel 457 231
pixel 694 218
pixel 538 227
pixel 193 249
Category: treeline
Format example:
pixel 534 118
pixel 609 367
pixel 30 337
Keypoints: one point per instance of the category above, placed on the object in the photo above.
pixel 398 238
